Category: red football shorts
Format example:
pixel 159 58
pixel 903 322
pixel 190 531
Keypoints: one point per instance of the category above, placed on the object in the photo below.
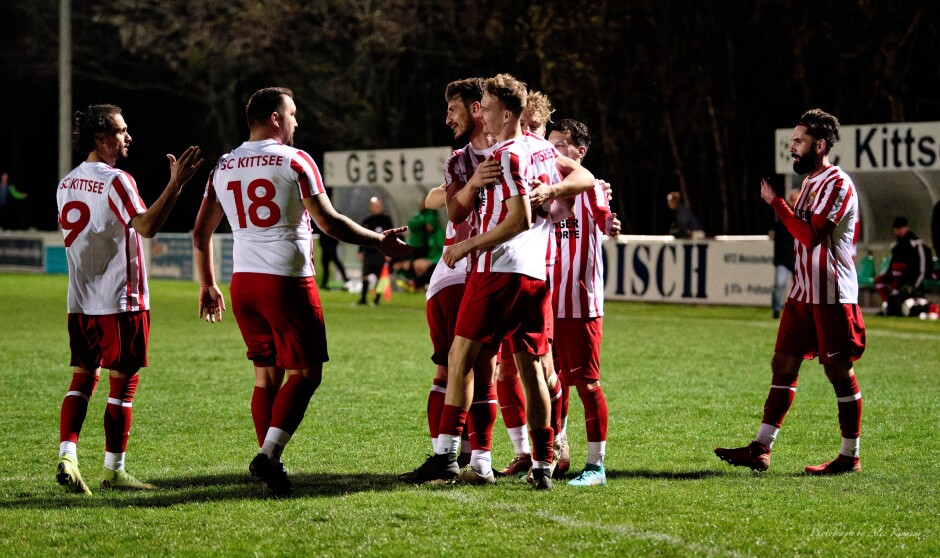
pixel 497 305
pixel 578 347
pixel 834 332
pixel 113 341
pixel 442 309
pixel 281 320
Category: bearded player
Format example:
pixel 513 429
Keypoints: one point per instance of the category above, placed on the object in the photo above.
pixel 821 317
pixel 470 167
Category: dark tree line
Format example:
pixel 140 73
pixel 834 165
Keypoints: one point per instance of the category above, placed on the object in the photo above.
pixel 678 95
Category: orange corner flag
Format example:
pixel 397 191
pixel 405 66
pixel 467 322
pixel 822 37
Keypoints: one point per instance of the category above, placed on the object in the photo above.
pixel 384 285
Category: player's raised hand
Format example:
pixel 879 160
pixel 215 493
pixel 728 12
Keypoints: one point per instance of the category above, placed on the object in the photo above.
pixel 211 303
pixel 392 246
pixel 183 169
pixel 767 192
pixel 612 226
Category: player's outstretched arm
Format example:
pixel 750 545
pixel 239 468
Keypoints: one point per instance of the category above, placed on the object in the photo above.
pixel 345 229
pixel 211 301
pixel 577 180
pixel 149 223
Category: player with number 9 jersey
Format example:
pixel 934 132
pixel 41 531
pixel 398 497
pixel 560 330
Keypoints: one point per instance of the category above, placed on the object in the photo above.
pixel 261 186
pixel 103 219
pixel 107 271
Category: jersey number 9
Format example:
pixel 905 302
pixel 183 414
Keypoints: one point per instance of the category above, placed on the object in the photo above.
pixel 75 226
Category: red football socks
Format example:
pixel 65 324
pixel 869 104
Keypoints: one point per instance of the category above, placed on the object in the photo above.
pixel 118 413
pixel 75 406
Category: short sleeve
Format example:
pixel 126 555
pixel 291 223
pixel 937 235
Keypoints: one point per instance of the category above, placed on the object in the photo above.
pixel 308 175
pixel 124 199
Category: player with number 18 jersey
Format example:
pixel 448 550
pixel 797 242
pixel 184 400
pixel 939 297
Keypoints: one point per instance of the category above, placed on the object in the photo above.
pixel 261 186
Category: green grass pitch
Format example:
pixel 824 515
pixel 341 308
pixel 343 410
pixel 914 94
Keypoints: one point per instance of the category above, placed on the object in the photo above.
pixel 679 381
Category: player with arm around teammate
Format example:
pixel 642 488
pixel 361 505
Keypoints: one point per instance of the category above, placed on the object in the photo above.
pixel 821 317
pixel 103 218
pixel 268 190
pixel 467 169
pixel 578 296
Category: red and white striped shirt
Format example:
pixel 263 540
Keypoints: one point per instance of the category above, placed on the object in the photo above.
pixel 825 273
pixel 578 285
pixel 525 252
pixel 261 186
pixel 107 274
pixel 544 167
pixel 457 170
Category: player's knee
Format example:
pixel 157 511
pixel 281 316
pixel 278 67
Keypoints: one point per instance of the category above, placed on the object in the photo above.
pixel 785 365
pixel 839 371
pixel 584 385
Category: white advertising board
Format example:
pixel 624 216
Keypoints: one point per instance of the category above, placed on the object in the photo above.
pixel 389 168
pixel 735 272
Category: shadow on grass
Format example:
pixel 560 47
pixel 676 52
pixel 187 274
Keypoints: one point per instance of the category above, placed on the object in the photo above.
pixel 651 474
pixel 208 488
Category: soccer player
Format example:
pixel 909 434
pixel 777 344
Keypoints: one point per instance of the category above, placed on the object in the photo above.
pixel 506 293
pixel 103 219
pixel 535 117
pixel 537 114
pixel 471 166
pixel 578 296
pixel 821 316
pixel 268 190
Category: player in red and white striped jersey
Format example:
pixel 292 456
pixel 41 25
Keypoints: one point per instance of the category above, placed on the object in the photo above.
pixel 268 190
pixel 535 117
pixel 103 219
pixel 469 167
pixel 821 317
pixel 506 294
pixel 578 296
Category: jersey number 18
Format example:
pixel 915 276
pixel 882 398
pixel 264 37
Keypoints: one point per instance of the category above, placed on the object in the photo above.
pixel 261 194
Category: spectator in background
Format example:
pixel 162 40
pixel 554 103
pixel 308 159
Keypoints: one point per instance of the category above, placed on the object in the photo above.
pixel 8 196
pixel 373 260
pixel 783 257
pixel 907 270
pixel 328 254
pixel 684 223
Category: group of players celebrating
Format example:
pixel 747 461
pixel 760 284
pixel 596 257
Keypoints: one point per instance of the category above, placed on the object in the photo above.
pixel 522 260
pixel 521 281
